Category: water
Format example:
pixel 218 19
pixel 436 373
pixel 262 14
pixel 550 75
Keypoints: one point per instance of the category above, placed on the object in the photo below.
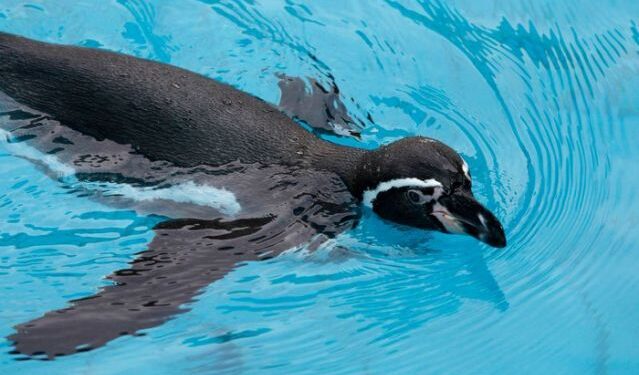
pixel 539 97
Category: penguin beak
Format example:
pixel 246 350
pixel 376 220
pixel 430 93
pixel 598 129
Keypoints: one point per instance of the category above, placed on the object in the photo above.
pixel 461 213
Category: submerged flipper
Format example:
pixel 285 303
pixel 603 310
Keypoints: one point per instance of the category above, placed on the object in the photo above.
pixel 319 107
pixel 185 256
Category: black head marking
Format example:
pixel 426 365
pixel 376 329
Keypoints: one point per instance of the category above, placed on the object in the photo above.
pixel 408 205
pixel 423 183
pixel 414 157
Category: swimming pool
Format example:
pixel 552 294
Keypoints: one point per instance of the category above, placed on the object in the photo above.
pixel 541 100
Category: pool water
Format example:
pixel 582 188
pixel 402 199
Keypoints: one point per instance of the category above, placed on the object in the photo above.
pixel 541 98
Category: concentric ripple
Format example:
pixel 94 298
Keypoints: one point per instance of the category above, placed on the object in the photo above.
pixel 539 97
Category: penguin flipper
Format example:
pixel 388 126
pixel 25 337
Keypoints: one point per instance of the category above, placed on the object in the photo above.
pixel 183 258
pixel 318 107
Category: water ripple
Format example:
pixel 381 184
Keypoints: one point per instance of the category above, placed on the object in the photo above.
pixel 539 97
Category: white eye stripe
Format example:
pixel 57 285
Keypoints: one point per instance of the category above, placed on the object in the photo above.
pixel 371 195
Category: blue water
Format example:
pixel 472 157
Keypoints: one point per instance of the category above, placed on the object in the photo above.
pixel 540 97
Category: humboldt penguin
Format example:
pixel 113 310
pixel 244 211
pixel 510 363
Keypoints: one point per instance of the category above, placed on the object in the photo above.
pixel 234 178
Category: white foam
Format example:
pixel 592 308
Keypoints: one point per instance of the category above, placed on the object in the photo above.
pixel 371 195
pixel 187 192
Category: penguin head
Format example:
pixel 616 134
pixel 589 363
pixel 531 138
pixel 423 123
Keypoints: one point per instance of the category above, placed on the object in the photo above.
pixel 423 183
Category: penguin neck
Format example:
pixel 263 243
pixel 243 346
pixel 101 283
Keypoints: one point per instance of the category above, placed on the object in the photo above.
pixel 342 160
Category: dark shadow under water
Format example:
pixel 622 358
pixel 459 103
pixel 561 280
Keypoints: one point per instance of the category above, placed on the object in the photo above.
pixel 265 210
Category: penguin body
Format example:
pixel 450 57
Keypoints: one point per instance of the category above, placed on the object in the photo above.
pixel 168 140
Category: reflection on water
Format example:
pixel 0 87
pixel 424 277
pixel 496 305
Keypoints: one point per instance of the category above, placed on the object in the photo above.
pixel 539 97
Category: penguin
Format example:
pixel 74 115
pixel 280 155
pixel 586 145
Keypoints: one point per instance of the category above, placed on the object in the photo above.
pixel 171 142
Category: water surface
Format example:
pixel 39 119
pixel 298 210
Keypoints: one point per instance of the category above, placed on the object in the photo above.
pixel 539 97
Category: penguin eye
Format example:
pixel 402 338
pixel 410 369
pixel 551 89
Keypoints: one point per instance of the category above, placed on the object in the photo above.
pixel 415 196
